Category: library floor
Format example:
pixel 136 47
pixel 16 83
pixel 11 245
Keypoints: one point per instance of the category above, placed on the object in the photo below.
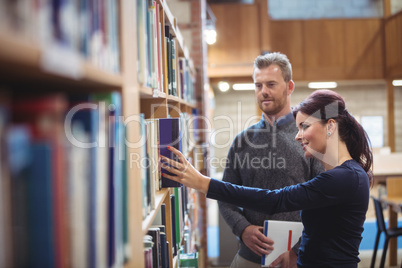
pixel 368 238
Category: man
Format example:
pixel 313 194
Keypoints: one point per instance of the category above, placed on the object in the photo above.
pixel 266 155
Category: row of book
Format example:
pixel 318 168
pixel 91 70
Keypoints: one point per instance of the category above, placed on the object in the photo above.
pixel 63 181
pixel 159 66
pixel 157 135
pixel 67 29
pixel 184 239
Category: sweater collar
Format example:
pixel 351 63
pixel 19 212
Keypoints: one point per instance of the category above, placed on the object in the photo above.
pixel 280 121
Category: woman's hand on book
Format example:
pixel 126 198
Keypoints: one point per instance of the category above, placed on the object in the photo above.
pixel 184 172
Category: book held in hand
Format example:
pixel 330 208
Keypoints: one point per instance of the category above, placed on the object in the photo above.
pixel 285 235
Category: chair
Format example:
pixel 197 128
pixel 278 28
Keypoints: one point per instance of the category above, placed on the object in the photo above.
pixel 389 232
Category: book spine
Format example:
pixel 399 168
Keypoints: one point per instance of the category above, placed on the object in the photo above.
pixel 173 216
pixel 174 67
pixel 39 196
pixel 164 250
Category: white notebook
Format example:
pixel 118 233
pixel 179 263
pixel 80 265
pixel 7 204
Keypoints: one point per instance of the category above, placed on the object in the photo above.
pixel 285 235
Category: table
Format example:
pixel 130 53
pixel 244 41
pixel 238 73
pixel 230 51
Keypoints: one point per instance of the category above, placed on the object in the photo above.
pixel 394 207
pixel 387 169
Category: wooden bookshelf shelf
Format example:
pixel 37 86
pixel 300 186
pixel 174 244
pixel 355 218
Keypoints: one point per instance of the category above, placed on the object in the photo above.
pixel 98 77
pixel 19 54
pixel 159 198
pixel 18 50
pixel 146 92
pixel 175 99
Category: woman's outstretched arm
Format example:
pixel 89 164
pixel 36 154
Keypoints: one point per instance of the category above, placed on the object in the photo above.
pixel 185 173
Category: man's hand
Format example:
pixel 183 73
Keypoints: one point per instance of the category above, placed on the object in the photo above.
pixel 286 260
pixel 255 240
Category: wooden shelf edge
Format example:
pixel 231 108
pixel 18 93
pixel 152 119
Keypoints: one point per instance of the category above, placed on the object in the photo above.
pixel 98 76
pixel 176 31
pixel 21 52
pixel 160 196
pixel 169 14
pixel 148 93
pixel 18 49
pixel 172 98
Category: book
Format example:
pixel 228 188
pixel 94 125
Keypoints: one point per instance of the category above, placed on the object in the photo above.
pixel 164 250
pixel 39 206
pixel 178 214
pixel 17 140
pixel 5 188
pixel 44 114
pixel 159 47
pixel 144 168
pixel 169 135
pixel 148 245
pixel 142 42
pixel 153 146
pixel 173 64
pixel 156 248
pixel 189 260
pixel 165 52
pixel 285 235
pixel 163 214
pixel 150 165
pixel 99 217
pixel 168 41
pixel 79 130
pixel 126 234
pixel 173 217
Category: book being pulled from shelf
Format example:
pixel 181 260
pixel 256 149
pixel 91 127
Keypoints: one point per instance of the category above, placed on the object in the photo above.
pixel 169 135
pixel 285 235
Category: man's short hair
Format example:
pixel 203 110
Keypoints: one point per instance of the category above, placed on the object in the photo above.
pixel 264 61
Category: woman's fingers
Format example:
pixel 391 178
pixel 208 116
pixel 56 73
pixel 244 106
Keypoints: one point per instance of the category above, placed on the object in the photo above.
pixel 181 157
pixel 170 177
pixel 171 162
pixel 171 169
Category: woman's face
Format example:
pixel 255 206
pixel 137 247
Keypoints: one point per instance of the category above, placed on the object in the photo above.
pixel 312 135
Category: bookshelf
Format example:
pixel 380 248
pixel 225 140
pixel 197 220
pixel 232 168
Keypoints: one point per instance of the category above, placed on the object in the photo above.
pixel 35 64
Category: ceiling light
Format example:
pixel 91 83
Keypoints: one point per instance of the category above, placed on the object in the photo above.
pixel 210 29
pixel 223 86
pixel 322 85
pixel 397 83
pixel 244 86
pixel 210 36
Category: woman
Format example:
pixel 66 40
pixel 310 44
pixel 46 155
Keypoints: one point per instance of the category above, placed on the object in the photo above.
pixel 333 204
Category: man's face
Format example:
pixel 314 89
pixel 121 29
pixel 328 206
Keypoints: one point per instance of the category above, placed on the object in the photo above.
pixel 272 91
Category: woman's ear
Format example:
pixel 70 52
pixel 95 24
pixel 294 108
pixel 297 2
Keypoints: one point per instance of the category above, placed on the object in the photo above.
pixel 331 127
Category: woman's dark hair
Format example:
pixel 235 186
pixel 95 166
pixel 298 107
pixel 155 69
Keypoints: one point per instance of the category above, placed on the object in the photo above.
pixel 326 104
